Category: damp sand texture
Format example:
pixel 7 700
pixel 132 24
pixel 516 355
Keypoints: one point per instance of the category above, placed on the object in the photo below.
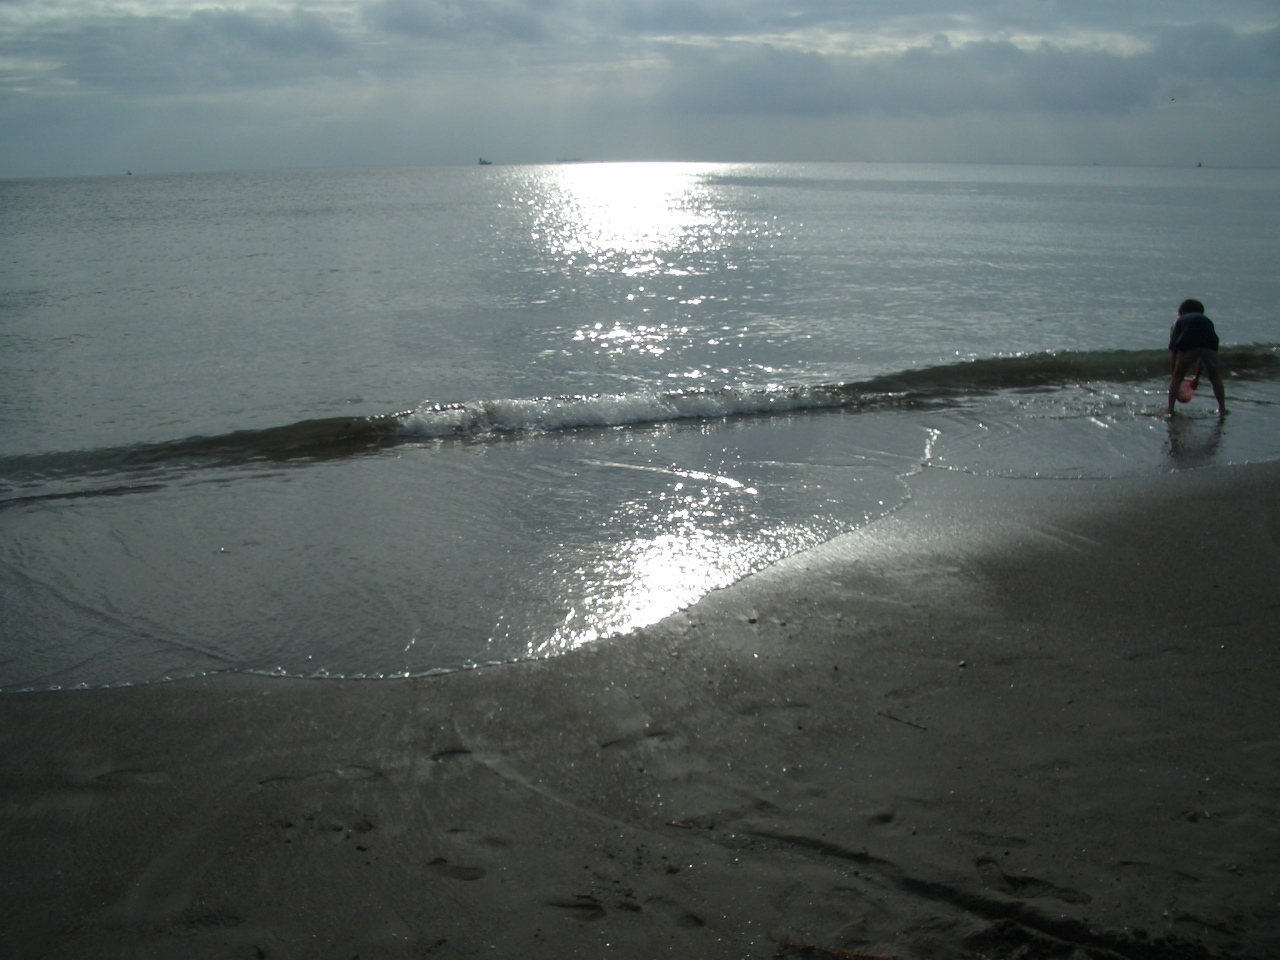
pixel 999 722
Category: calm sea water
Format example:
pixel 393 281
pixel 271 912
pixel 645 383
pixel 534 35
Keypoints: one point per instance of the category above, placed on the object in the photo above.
pixel 385 422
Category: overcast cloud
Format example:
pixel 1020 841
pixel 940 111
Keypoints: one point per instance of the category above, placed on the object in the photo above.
pixel 101 86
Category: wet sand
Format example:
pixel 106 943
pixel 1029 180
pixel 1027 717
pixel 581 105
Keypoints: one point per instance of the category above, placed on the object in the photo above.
pixel 1013 719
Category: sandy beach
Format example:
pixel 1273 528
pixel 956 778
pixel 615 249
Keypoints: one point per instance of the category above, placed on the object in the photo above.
pixel 1024 719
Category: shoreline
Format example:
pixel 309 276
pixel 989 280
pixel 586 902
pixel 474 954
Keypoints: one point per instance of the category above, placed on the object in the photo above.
pixel 1012 715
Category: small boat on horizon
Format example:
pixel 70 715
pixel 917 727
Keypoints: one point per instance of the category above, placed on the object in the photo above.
pixel 485 163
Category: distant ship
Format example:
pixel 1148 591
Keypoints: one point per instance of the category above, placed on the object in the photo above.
pixel 485 163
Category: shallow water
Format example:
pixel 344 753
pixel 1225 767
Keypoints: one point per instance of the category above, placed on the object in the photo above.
pixel 369 423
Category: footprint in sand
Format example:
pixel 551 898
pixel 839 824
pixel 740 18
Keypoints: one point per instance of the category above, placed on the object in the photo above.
pixel 676 913
pixel 476 839
pixel 1139 868
pixel 583 907
pixel 1030 888
pixel 452 753
pixel 650 738
pixel 347 772
pixel 455 871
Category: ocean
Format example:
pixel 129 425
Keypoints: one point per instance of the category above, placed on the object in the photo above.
pixel 389 422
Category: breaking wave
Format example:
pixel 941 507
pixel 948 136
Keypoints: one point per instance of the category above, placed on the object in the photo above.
pixel 909 389
pixel 129 469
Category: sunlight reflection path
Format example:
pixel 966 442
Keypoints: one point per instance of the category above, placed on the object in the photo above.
pixel 695 532
pixel 634 217
pixel 651 236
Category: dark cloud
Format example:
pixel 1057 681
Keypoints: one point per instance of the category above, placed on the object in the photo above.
pixel 757 79
pixel 206 50
pixel 297 33
pixel 1000 77
pixel 945 79
pixel 1211 53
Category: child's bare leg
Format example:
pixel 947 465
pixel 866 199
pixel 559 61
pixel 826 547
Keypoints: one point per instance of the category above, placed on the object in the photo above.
pixel 1175 381
pixel 1218 393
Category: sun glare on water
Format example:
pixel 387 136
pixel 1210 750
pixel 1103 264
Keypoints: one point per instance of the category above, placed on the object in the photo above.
pixel 632 209
pixel 687 543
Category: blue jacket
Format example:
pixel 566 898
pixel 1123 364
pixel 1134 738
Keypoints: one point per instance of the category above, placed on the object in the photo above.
pixel 1193 331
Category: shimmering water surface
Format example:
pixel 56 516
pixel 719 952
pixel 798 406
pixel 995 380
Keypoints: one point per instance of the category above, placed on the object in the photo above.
pixel 378 422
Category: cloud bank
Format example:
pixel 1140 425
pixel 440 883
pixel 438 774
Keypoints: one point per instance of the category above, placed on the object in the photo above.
pixel 92 86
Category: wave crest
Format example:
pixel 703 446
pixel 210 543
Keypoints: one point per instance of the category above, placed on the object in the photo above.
pixel 907 389
pixel 126 469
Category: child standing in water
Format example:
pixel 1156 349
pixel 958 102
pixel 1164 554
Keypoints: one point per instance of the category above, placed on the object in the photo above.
pixel 1193 340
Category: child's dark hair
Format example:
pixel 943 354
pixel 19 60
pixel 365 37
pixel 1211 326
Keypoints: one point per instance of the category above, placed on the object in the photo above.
pixel 1190 306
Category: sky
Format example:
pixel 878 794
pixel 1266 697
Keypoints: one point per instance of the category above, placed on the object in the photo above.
pixel 108 86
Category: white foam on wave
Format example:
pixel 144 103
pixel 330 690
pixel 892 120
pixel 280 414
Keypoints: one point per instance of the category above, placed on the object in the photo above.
pixel 941 384
pixel 546 414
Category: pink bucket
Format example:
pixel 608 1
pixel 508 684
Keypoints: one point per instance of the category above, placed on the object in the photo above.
pixel 1187 390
